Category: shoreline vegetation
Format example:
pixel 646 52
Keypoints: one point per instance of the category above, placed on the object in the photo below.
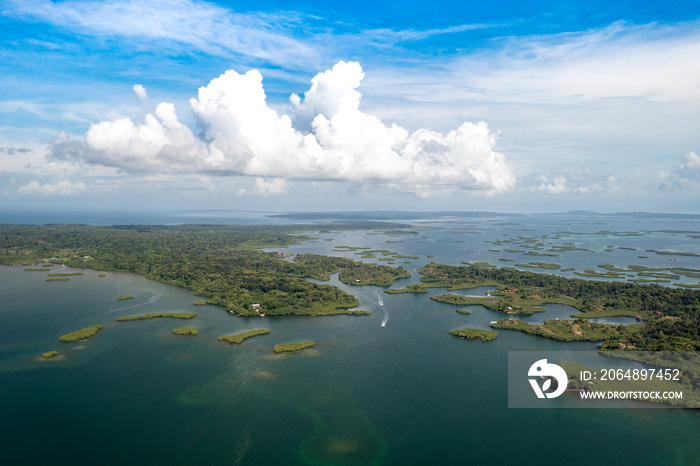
pixel 221 263
pixel 185 331
pixel 239 337
pixel 349 271
pixel 224 265
pixel 292 347
pixel 671 315
pixel 570 330
pixel 156 315
pixel 49 354
pixel 522 307
pixel 409 289
pixel 81 334
pixel 122 298
pixel 475 334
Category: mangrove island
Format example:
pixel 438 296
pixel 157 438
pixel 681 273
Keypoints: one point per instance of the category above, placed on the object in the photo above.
pixel 291 347
pixel 81 334
pixel 156 315
pixel 239 337
pixel 475 334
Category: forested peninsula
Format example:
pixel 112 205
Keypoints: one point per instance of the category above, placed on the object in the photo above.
pixel 671 315
pixel 220 262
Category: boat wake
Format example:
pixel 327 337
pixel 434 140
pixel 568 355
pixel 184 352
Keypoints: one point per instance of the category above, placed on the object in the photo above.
pixel 386 313
pixel 243 446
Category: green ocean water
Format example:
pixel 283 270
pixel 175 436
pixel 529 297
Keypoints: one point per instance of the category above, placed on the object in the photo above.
pixel 402 393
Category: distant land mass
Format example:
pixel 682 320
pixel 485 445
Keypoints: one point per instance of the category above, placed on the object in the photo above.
pixel 406 215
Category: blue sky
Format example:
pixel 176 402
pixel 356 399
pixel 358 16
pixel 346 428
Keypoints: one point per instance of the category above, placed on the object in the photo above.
pixel 507 106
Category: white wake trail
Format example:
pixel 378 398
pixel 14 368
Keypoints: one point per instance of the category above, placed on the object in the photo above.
pixel 380 301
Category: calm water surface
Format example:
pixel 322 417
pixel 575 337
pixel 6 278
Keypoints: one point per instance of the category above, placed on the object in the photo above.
pixel 402 393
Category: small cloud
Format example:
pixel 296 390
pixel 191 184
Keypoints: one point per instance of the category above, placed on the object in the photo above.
pixel 12 150
pixel 690 166
pixel 683 176
pixel 556 185
pixel 263 187
pixel 571 181
pixel 141 93
pixel 62 188
pixel 63 148
pixel 274 186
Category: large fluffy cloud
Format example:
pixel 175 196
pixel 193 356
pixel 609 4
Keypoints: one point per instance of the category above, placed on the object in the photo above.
pixel 327 137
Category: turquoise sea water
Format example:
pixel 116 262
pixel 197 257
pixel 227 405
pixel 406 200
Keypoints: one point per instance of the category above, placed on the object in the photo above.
pixel 402 393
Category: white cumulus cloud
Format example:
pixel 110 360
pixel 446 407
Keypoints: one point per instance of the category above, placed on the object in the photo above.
pixel 326 138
